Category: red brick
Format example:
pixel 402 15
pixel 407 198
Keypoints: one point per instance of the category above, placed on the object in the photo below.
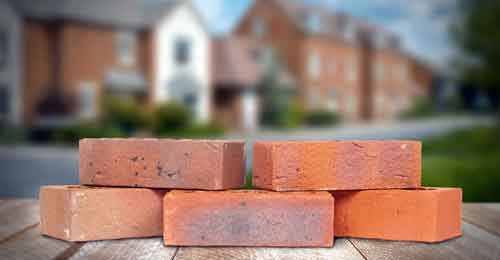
pixel 77 213
pixel 424 215
pixel 248 218
pixel 162 163
pixel 337 165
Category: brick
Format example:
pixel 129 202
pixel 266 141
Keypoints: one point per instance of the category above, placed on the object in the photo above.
pixel 162 163
pixel 337 165
pixel 78 213
pixel 422 215
pixel 248 218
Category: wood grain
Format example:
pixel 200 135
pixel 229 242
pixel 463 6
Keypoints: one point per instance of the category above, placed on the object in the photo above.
pixel 151 248
pixel 32 245
pixel 17 215
pixel 342 250
pixel 474 244
pixel 482 215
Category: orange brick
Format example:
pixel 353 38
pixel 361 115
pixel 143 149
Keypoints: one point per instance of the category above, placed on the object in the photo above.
pixel 248 218
pixel 162 163
pixel 337 165
pixel 424 215
pixel 77 213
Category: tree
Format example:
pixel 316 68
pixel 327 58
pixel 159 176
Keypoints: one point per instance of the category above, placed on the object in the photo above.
pixel 477 35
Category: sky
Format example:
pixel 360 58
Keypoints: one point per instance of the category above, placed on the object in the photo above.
pixel 423 25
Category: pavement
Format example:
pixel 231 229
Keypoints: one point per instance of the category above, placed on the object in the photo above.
pixel 23 169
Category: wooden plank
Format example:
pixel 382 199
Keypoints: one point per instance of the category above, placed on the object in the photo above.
pixel 32 245
pixel 343 249
pixel 17 215
pixel 476 243
pixel 151 248
pixel 482 215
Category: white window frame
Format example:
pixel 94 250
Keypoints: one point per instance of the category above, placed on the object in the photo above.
pixel 351 71
pixel 126 47
pixel 314 65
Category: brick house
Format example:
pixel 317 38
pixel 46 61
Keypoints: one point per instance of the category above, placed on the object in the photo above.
pixel 339 63
pixel 62 55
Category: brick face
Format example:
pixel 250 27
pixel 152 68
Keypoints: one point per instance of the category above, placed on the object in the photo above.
pixel 248 218
pixel 77 213
pixel 337 165
pixel 424 215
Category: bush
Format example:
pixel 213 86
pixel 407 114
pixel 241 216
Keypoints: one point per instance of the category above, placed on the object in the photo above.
pixel 170 118
pixel 209 130
pixel 321 118
pixel 421 108
pixel 12 135
pixel 72 134
pixel 126 114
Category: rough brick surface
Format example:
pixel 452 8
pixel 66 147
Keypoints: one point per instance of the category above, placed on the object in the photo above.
pixel 425 215
pixel 77 213
pixel 248 218
pixel 337 165
pixel 162 163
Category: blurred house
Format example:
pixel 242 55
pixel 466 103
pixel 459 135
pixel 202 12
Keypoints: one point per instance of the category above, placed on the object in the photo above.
pixel 340 63
pixel 59 58
pixel 71 52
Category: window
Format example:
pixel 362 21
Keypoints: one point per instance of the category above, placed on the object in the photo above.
pixel 314 66
pixel 352 72
pixel 313 23
pixel 379 71
pixel 126 48
pixel 259 28
pixel 333 99
pixel 313 97
pixel 4 101
pixel 182 51
pixel 88 104
pixel 3 48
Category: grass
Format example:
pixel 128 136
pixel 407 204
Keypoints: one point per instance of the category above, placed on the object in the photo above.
pixel 469 159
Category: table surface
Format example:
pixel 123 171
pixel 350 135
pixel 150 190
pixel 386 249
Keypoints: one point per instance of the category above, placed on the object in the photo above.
pixel 20 238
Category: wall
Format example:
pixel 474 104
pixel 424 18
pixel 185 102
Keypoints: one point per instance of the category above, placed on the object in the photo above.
pixel 337 58
pixel 11 74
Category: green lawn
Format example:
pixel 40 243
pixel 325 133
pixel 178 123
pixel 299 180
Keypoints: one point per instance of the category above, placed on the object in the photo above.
pixel 469 159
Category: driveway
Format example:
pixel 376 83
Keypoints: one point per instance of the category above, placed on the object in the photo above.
pixel 24 169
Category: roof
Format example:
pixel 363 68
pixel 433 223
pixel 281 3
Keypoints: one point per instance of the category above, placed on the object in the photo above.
pixel 315 19
pixel 124 13
pixel 236 62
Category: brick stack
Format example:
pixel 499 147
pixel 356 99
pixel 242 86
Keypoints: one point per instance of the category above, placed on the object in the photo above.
pixel 181 189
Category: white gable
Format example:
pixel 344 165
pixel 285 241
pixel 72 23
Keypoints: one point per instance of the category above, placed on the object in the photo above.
pixel 171 78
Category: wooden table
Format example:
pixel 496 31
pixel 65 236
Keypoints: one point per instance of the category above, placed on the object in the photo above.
pixel 20 238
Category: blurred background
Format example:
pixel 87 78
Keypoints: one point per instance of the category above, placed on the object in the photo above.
pixel 250 69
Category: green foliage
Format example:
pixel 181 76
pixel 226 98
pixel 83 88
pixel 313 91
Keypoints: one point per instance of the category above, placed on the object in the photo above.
pixel 171 118
pixel 321 118
pixel 126 114
pixel 421 108
pixel 12 135
pixel 72 134
pixel 197 131
pixel 478 36
pixel 466 159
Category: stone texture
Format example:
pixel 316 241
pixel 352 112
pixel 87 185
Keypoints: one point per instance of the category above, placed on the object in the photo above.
pixel 248 218
pixel 423 215
pixel 162 163
pixel 77 213
pixel 337 165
